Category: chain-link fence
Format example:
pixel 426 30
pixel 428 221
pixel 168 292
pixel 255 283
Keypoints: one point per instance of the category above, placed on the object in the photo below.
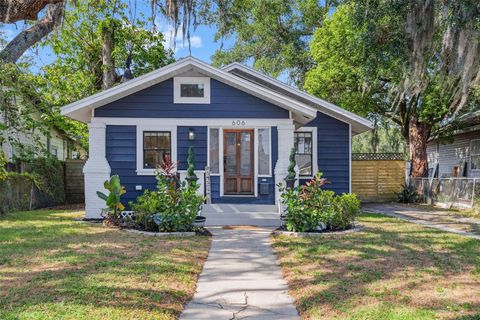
pixel 449 192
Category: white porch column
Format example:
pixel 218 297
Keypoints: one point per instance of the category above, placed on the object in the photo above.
pixel 96 170
pixel 285 145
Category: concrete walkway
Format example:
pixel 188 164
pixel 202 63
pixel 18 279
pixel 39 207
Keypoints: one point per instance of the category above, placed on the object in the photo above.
pixel 241 214
pixel 431 218
pixel 241 279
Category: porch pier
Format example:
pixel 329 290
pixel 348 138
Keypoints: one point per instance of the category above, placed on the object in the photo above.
pixel 285 145
pixel 96 170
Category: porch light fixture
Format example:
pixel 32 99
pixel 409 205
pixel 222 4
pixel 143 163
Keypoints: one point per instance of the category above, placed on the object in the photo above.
pixel 191 135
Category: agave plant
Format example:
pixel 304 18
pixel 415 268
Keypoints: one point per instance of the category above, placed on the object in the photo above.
pixel 112 200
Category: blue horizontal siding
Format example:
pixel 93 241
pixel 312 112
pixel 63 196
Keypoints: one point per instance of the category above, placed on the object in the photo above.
pixel 225 102
pixel 199 147
pixel 333 138
pixel 121 145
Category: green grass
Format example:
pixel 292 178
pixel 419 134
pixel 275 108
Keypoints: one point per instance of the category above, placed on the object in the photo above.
pixel 392 270
pixel 52 267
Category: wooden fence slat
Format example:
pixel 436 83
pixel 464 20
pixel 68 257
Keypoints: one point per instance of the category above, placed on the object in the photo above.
pixel 74 181
pixel 377 180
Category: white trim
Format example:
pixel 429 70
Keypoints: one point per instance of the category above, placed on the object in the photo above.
pixel 141 171
pixel 313 130
pixel 269 175
pixel 350 158
pixel 255 164
pixel 328 108
pixel 178 81
pixel 80 110
pixel 208 151
pixel 217 122
pixel 220 167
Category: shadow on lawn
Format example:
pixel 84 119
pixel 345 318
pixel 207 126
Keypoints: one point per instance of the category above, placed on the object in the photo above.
pixel 46 257
pixel 388 249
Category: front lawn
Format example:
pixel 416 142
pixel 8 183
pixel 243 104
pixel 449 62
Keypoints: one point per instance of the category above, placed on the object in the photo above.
pixel 52 267
pixel 391 270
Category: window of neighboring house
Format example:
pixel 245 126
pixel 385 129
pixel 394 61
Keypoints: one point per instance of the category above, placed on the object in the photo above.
pixel 304 148
pixel 54 151
pixel 475 154
pixel 191 90
pixel 157 148
pixel 214 150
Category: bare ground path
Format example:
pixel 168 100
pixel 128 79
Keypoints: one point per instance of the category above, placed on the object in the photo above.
pixel 433 218
pixel 241 279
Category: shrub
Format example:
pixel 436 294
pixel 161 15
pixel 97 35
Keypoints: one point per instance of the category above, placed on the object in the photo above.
pixel 309 206
pixel 408 194
pixel 144 208
pixel 172 207
pixel 347 207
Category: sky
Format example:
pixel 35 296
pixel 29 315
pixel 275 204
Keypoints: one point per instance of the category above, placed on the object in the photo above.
pixel 202 41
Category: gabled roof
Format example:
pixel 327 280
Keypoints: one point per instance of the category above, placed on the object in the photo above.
pixel 358 123
pixel 81 110
pixel 303 111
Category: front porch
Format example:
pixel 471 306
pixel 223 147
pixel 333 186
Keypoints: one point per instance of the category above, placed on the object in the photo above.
pixel 241 214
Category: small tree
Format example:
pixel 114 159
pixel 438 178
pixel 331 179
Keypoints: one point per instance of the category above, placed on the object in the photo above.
pixel 292 175
pixel 191 176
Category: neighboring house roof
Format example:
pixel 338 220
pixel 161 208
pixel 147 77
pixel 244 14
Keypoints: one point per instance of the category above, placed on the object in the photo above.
pixel 468 122
pixel 302 111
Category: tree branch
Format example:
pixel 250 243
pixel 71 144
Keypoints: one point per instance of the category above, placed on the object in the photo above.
pixel 27 38
pixel 16 10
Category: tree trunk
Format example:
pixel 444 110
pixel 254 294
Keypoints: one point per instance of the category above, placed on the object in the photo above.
pixel 12 11
pixel 107 59
pixel 27 38
pixel 418 136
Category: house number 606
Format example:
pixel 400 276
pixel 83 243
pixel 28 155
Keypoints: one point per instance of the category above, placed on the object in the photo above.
pixel 238 123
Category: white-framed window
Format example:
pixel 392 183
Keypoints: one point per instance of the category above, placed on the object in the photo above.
pixel 191 90
pixel 475 154
pixel 264 152
pixel 154 145
pixel 305 143
pixel 54 151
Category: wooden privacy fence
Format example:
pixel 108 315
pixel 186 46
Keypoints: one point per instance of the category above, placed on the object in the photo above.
pixel 376 177
pixel 74 182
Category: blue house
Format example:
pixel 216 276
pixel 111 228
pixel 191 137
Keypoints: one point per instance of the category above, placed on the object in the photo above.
pixel 240 123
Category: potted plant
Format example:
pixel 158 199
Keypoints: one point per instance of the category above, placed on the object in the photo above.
pixel 191 176
pixel 291 175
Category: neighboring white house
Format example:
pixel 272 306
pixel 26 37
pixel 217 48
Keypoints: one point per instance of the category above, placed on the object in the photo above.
pixel 58 144
pixel 460 157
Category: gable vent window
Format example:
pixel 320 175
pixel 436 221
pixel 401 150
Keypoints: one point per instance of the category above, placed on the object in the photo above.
pixel 194 90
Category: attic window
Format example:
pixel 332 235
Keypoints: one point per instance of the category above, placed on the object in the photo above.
pixel 195 90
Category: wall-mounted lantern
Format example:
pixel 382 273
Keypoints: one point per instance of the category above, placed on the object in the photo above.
pixel 191 134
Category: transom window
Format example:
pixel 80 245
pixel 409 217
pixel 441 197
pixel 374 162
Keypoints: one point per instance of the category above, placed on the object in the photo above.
pixel 194 90
pixel 157 148
pixel 304 148
pixel 475 154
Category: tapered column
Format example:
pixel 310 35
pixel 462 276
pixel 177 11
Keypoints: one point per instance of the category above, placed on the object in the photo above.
pixel 96 170
pixel 285 145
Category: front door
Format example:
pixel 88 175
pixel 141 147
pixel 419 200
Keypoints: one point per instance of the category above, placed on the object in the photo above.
pixel 238 162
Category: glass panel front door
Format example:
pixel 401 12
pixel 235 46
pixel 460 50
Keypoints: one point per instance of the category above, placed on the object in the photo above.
pixel 238 162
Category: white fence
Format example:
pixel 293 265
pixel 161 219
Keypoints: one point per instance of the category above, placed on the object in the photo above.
pixel 449 192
